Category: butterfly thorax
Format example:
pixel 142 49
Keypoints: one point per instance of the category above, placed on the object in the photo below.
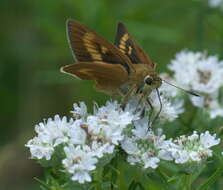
pixel 141 72
pixel 143 80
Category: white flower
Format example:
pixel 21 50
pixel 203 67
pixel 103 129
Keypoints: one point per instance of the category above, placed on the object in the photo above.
pixel 109 121
pixel 150 161
pixel 53 131
pixel 181 156
pixel 197 71
pixel 170 108
pixel 207 140
pixel 76 134
pixel 49 135
pixel 202 73
pixel 164 147
pixel 79 163
pixel 144 147
pixel 215 109
pixel 193 148
pixel 141 129
pixel 79 111
pixel 99 148
pixel 209 103
pixel 130 146
pixel 40 150
pixel 146 152
pixel 113 113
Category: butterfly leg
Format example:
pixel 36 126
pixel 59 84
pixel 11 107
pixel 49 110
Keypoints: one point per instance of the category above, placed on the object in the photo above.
pixel 151 111
pixel 141 99
pixel 127 94
pixel 161 106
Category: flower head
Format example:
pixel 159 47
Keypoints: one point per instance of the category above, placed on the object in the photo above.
pixel 49 135
pixel 193 148
pixel 109 122
pixel 79 163
pixel 144 147
pixel 85 139
pixel 202 73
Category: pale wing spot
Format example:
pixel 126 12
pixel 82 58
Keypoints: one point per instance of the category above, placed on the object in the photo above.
pixel 122 44
pixel 122 47
pixel 88 37
pixel 123 51
pixel 104 49
pixel 125 38
pixel 96 56
pixel 130 50
pixel 87 45
pixel 92 51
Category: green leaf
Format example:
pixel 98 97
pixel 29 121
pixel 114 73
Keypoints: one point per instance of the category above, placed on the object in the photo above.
pixel 211 180
pixel 140 186
pixel 132 185
pixel 165 180
pixel 43 184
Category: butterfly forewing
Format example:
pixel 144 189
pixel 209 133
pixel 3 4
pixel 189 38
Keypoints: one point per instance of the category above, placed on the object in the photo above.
pixel 88 46
pixel 130 48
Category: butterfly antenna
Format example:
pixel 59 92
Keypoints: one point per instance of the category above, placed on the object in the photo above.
pixel 187 91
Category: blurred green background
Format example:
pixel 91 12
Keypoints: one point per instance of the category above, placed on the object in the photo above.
pixel 34 46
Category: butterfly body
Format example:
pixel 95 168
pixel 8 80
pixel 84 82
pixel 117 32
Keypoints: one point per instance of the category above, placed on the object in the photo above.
pixel 122 68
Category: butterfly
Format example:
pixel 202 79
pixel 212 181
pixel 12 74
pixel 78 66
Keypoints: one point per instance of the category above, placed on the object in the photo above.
pixel 120 68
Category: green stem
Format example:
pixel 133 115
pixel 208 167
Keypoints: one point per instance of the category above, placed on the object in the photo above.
pixel 188 182
pixel 98 178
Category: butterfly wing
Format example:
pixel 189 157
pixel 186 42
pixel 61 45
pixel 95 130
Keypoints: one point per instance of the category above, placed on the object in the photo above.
pixel 130 48
pixel 88 46
pixel 108 77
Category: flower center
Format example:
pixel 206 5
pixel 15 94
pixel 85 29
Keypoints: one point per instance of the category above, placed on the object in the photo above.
pixel 204 76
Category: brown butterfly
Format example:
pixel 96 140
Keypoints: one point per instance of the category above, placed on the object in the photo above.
pixel 122 68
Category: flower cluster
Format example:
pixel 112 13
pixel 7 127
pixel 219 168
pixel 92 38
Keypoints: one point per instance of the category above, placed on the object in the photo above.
pixel 193 148
pixel 50 134
pixel 143 146
pixel 85 138
pixel 203 74
pixel 146 148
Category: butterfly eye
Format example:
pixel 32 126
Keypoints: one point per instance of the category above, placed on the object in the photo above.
pixel 148 80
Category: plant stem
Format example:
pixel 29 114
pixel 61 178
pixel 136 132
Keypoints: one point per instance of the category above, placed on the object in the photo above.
pixel 98 179
pixel 188 182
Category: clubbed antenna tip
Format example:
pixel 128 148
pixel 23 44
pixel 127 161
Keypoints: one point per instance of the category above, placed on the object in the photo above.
pixel 194 94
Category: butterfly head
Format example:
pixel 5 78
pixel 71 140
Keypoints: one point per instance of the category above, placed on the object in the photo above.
pixel 152 81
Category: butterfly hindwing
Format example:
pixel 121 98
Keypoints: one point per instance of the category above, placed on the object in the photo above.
pixel 88 46
pixel 100 73
pixel 130 48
